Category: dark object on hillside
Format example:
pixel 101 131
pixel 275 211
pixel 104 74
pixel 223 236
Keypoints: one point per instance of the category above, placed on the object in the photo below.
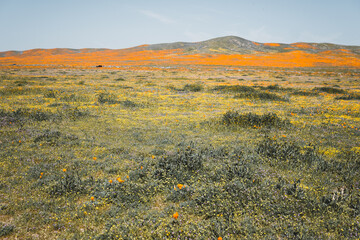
pixel 99 66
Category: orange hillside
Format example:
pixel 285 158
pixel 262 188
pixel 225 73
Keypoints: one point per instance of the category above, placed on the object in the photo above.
pixel 141 56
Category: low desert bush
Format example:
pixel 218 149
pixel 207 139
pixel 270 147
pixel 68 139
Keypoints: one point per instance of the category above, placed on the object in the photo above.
pixel 253 120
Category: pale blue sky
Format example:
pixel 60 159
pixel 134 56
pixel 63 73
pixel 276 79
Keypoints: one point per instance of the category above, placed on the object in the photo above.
pixel 27 24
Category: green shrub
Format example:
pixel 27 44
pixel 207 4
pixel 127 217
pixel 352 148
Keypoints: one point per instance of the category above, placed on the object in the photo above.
pixel 22 115
pixel 260 95
pixel 345 164
pixel 234 88
pixel 181 165
pixel 183 194
pixel 129 104
pixel 289 152
pixel 329 90
pixel 11 91
pixel 74 98
pixel 72 113
pixel 21 83
pixel 275 87
pixel 124 194
pixel 253 120
pixel 238 169
pixel 304 93
pixel 105 97
pixel 212 201
pixel 69 182
pixel 55 138
pixel 49 94
pixel 351 96
pixel 48 136
pixel 6 229
pixel 196 87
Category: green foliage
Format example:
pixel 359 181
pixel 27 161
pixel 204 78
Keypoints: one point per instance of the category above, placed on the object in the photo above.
pixel 286 181
pixel 55 138
pixel 185 162
pixel 210 203
pixel 329 90
pixel 183 194
pixel 350 96
pixel 260 95
pixel 105 97
pixel 20 90
pixel 128 103
pixel 48 136
pixel 253 120
pixel 124 194
pixel 345 163
pixel 195 87
pixel 49 94
pixel 288 152
pixel 273 87
pixel 304 93
pixel 21 115
pixel 68 183
pixel 71 113
pixel 233 88
pixel 238 169
pixel 21 83
pixel 6 229
pixel 72 97
pixel 24 115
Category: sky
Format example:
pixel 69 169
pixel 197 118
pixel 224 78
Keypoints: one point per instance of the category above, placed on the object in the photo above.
pixel 116 24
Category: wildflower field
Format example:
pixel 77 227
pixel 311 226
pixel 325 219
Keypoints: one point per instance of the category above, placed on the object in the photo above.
pixel 179 153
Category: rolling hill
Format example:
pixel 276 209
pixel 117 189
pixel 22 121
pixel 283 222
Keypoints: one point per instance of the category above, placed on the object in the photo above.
pixel 229 50
pixel 237 45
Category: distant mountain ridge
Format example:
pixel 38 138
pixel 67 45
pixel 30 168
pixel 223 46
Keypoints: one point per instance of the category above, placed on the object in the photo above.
pixel 229 50
pixel 234 44
pixel 223 45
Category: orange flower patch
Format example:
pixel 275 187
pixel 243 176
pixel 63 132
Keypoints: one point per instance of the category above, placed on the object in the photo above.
pixel 272 44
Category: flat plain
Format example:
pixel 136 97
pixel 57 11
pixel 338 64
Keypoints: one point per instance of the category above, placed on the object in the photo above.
pixel 196 152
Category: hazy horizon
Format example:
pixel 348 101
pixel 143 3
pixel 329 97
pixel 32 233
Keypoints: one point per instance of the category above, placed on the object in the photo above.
pixel 118 24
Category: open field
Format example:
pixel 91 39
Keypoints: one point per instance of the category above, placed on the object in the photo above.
pixel 188 153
